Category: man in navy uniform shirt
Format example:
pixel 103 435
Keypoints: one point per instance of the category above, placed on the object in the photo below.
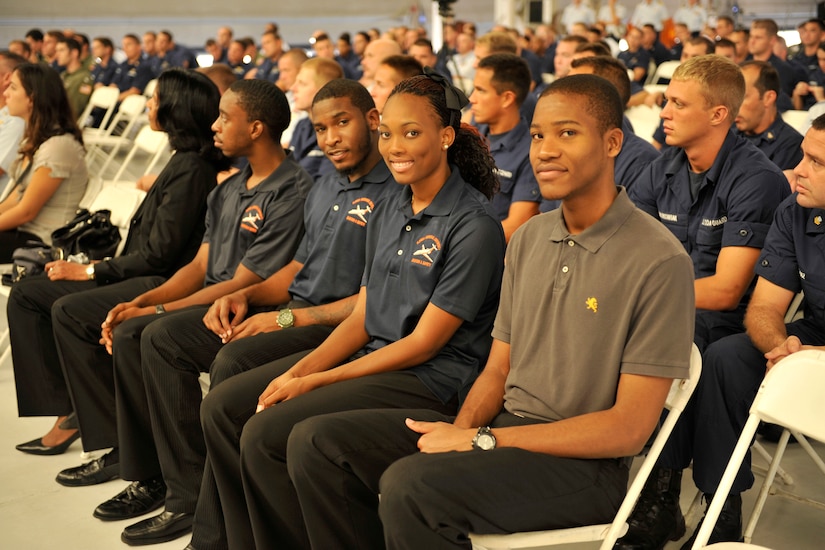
pixel 132 76
pixel 759 120
pixel 272 46
pixel 717 193
pixel 501 83
pixel 791 261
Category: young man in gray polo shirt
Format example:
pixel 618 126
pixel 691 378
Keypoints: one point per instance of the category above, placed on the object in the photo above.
pixel 577 376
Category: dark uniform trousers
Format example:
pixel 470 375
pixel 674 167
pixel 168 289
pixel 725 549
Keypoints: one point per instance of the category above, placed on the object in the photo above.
pixel 159 395
pixel 41 386
pixel 709 427
pixel 340 463
pixel 246 462
pixel 87 366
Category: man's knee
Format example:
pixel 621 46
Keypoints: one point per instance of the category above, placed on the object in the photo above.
pixel 731 362
pixel 409 484
pixel 226 364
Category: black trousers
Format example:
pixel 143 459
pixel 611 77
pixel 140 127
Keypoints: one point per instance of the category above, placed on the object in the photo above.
pixel 41 386
pixel 340 463
pixel 87 367
pixel 159 395
pixel 247 451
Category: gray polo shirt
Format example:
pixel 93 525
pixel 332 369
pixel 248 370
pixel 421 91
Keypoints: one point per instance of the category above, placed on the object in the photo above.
pixel 579 310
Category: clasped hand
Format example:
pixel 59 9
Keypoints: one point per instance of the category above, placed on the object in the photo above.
pixel 441 437
pixel 118 314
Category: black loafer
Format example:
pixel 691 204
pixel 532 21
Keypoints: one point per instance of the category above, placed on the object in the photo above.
pixel 140 497
pixel 164 527
pixel 36 447
pixel 91 473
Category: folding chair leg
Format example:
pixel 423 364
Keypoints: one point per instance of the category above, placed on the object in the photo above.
pixel 786 478
pixel 766 485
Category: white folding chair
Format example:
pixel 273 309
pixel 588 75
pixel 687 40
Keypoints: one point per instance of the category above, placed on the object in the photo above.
pixel 148 142
pixel 122 124
pixel 663 72
pixel 645 120
pixel 680 392
pixel 122 200
pixel 790 396
pixel 104 97
pixel 796 119
pixel 149 90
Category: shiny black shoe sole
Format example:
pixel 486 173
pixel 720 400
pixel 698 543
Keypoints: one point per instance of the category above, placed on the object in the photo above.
pixel 36 447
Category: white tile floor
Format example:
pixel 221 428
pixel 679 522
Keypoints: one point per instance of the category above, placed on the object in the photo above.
pixel 36 513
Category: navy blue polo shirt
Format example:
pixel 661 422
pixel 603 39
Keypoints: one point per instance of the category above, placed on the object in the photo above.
pixel 450 254
pixel 104 75
pixel 794 255
pixel 781 143
pixel 632 160
pixel 734 204
pixel 259 227
pixel 333 250
pixel 309 155
pixel 517 183
pixel 132 75
pixel 631 60
pixel 268 70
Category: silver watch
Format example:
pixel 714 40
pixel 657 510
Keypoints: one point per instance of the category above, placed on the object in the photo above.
pixel 484 439
pixel 285 318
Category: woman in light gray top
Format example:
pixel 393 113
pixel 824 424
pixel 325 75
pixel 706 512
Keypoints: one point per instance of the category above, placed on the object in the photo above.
pixel 50 171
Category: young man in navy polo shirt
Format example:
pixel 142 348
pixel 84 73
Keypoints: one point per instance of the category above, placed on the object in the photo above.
pixel 254 224
pixel 501 84
pixel 294 310
pixel 717 193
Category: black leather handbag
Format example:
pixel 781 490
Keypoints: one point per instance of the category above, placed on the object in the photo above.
pixel 90 233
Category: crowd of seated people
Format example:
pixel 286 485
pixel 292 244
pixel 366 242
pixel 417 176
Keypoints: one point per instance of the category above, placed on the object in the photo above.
pixel 376 166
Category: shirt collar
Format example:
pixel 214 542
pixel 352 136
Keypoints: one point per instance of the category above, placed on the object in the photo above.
pixel 508 140
pixel 592 238
pixel 443 202
pixel 379 174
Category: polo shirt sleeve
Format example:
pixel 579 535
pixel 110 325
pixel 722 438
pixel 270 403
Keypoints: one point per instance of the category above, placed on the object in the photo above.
pixel 777 263
pixel 278 239
pixel 475 252
pixel 751 206
pixel 501 327
pixel 661 332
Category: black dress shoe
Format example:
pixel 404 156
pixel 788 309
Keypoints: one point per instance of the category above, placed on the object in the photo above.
pixel 36 447
pixel 728 527
pixel 161 528
pixel 140 497
pixel 91 473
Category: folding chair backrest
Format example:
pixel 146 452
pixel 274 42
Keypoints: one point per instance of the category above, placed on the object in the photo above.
pixel 123 201
pixel 149 90
pixel 664 71
pixel 104 97
pixel 792 394
pixel 147 141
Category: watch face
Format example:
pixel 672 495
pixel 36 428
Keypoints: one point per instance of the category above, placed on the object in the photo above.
pixel 486 442
pixel 285 318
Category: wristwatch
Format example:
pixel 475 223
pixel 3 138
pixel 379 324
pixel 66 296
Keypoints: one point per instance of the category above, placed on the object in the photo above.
pixel 90 272
pixel 285 318
pixel 159 309
pixel 484 439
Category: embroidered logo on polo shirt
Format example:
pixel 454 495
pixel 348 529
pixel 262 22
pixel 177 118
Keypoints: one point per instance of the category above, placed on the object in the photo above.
pixel 424 255
pixel 664 216
pixel 358 215
pixel 801 274
pixel 818 220
pixel 592 304
pixel 251 217
pixel 504 173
